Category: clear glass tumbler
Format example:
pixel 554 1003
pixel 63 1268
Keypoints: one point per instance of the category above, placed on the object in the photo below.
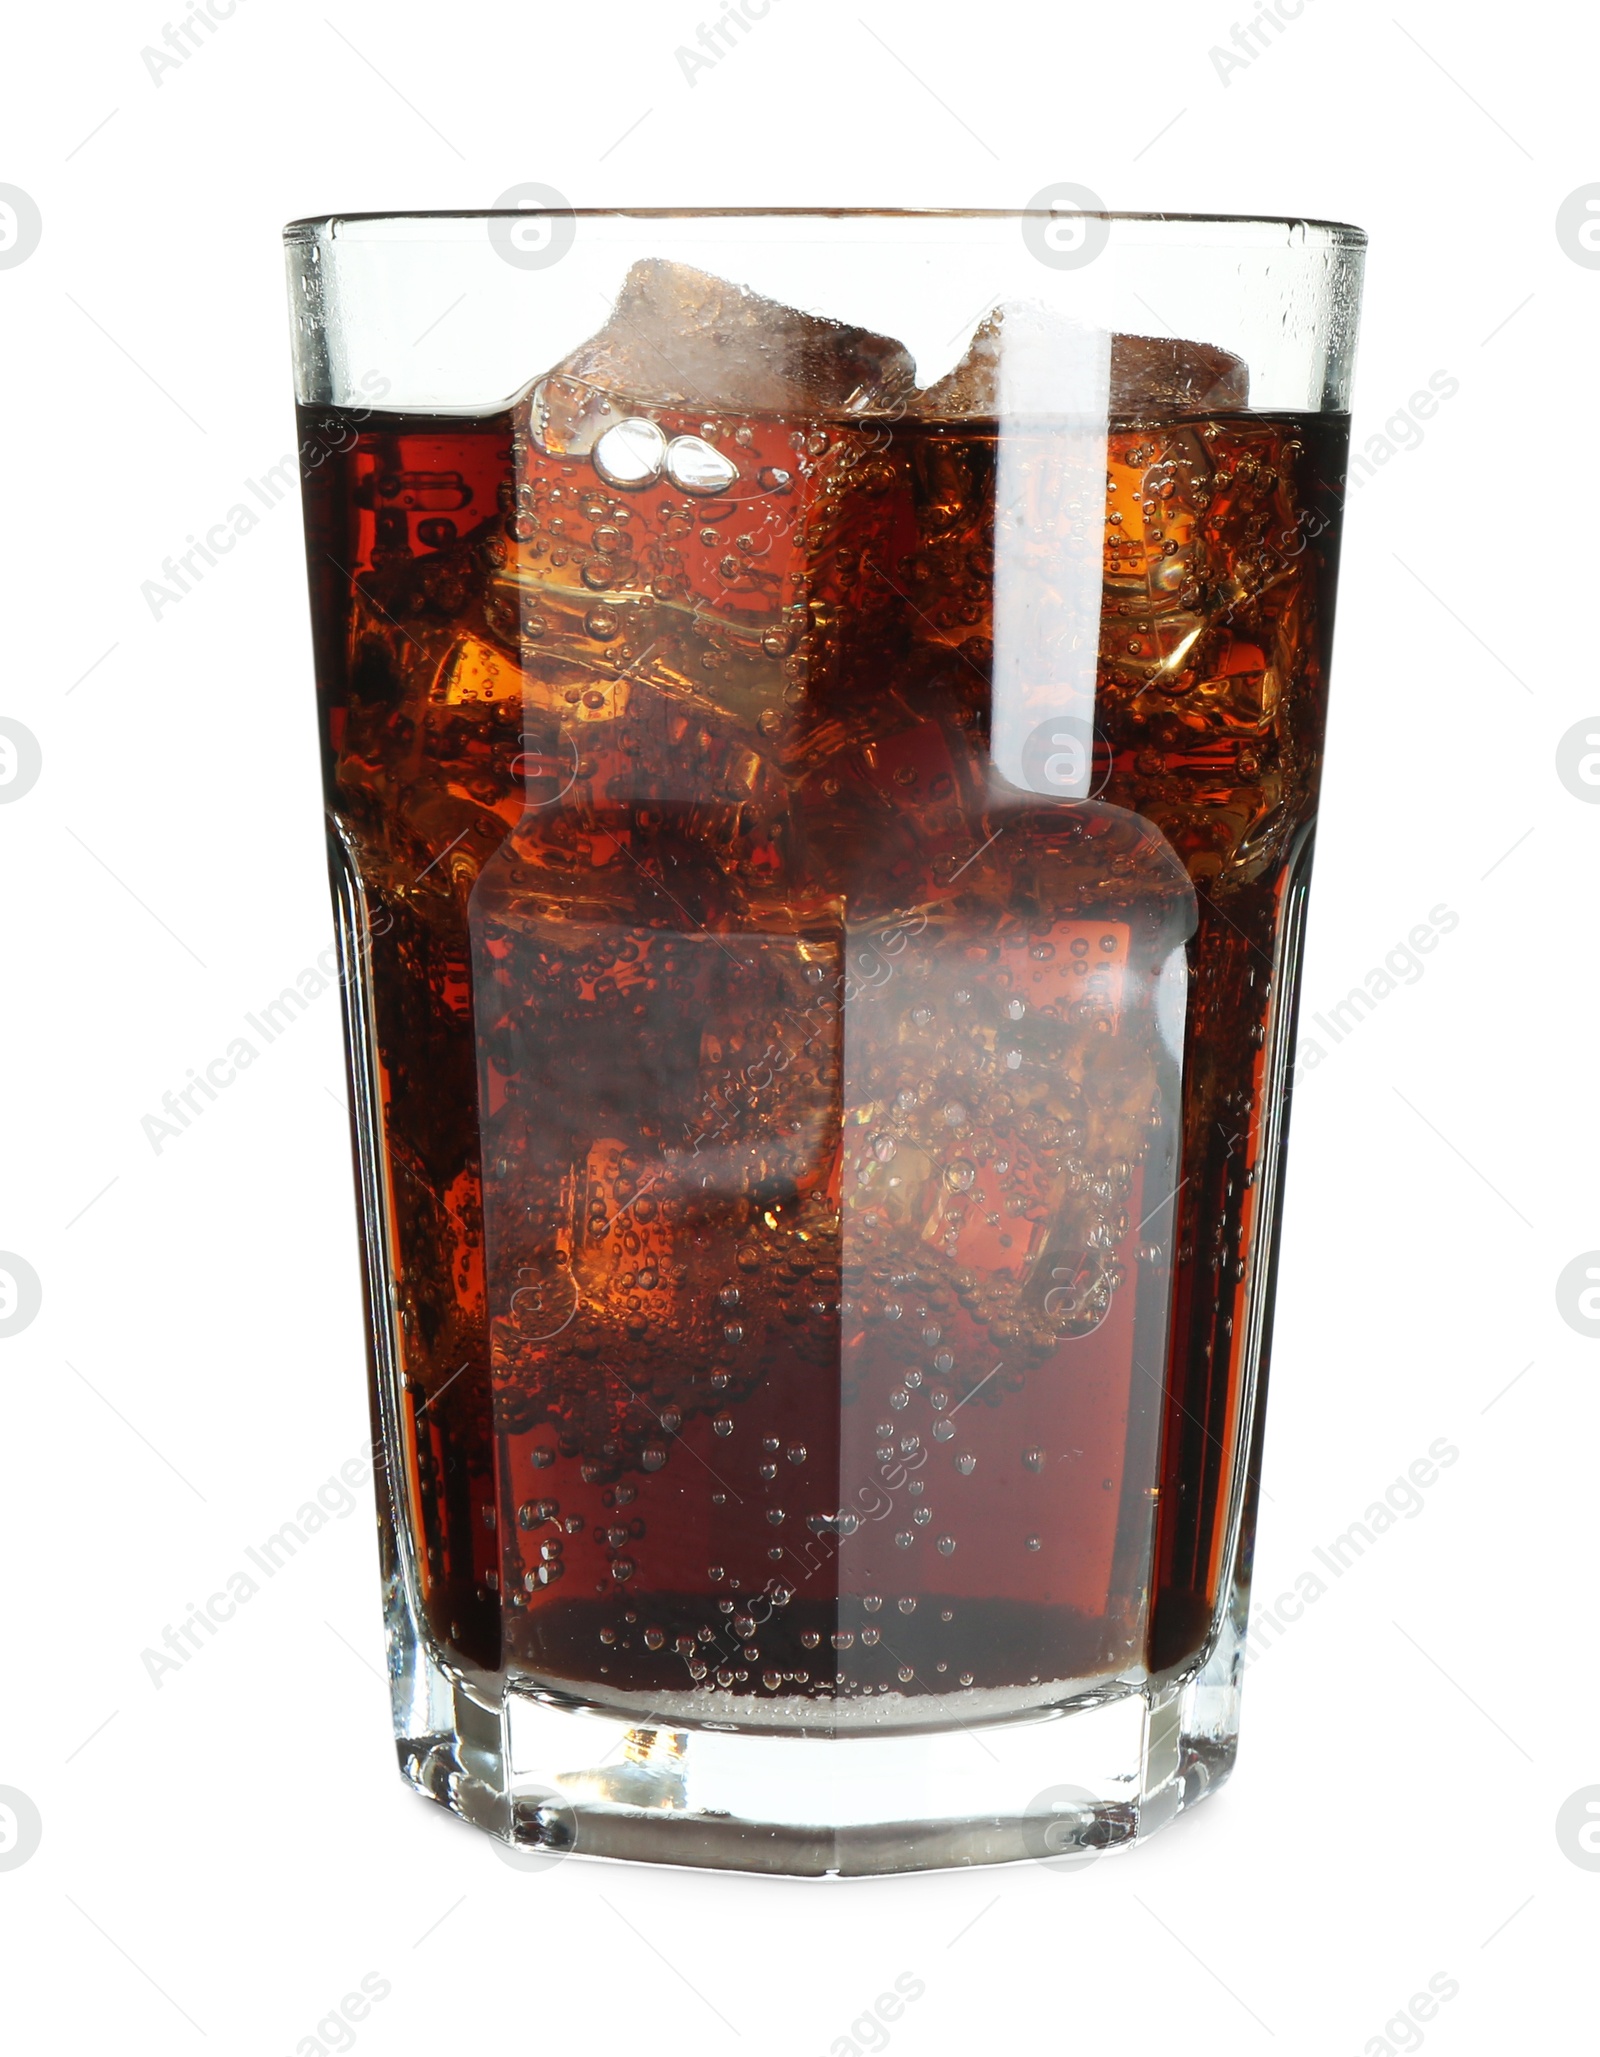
pixel 821 782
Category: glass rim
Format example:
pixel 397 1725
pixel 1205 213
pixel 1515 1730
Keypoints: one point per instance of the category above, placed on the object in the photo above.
pixel 1337 234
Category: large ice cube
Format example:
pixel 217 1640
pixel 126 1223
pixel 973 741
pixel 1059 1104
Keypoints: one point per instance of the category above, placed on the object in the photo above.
pixel 706 530
pixel 1149 374
pixel 683 338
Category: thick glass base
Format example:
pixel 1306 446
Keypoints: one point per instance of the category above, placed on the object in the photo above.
pixel 550 1774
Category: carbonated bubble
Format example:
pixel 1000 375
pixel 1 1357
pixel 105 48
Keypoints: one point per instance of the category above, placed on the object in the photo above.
pixel 631 454
pixel 696 466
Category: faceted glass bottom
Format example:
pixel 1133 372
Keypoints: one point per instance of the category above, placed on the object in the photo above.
pixel 552 1775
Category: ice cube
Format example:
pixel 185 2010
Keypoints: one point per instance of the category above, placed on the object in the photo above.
pixel 678 337
pixel 1166 374
pixel 701 541
pixel 1149 374
pixel 1008 1092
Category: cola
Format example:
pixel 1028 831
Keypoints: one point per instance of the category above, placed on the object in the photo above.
pixel 822 1021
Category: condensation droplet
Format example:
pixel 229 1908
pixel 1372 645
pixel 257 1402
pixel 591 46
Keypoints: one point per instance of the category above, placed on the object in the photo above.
pixel 947 1546
pixel 966 1465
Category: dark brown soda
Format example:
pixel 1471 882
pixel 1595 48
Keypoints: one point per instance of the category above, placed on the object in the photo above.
pixel 780 1121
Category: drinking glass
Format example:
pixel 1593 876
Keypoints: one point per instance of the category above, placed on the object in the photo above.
pixel 822 716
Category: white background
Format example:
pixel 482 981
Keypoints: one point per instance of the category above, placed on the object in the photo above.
pixel 225 1857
